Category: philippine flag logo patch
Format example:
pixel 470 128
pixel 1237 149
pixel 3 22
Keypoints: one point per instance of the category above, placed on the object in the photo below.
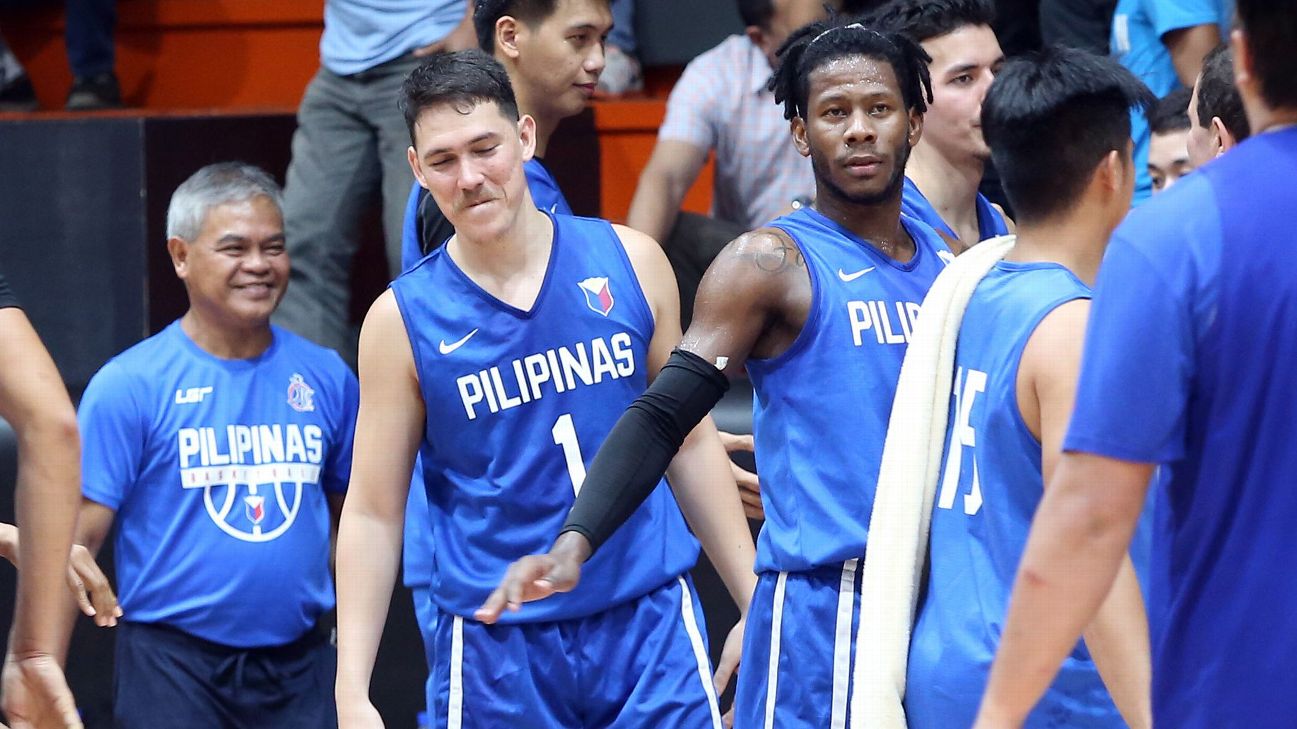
pixel 300 395
pixel 254 507
pixel 597 294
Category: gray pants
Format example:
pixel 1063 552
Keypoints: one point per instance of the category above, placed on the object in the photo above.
pixel 692 246
pixel 348 151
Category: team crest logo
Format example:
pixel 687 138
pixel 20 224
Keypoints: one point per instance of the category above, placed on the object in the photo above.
pixel 598 296
pixel 300 395
pixel 254 507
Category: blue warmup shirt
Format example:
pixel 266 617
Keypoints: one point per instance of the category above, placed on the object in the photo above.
pixel 1188 364
pixel 417 558
pixel 990 222
pixel 988 492
pixel 820 409
pixel 1136 41
pixel 359 36
pixel 218 471
pixel 518 404
pixel 544 192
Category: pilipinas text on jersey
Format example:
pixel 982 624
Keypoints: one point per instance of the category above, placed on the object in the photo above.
pixel 518 402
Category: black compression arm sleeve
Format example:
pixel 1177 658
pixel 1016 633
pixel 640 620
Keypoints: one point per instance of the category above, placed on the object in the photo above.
pixel 642 443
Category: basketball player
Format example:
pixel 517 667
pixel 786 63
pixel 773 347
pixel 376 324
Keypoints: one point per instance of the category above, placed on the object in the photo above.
pixel 34 402
pixel 504 358
pixel 1058 124
pixel 553 52
pixel 819 309
pixel 1184 366
pixel 1217 121
pixel 221 448
pixel 942 178
pixel 1168 147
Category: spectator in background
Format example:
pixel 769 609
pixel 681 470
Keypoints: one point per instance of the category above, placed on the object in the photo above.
pixel 1168 151
pixel 1163 43
pixel 88 31
pixel 1216 115
pixel 349 151
pixel 721 104
pixel 622 71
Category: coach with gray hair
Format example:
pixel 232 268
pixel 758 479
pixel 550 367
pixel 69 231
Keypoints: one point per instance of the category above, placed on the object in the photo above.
pixel 221 446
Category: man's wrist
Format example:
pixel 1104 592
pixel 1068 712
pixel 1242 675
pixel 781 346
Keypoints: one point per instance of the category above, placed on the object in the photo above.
pixel 572 546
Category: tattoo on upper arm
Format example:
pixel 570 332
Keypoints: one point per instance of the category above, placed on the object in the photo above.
pixel 777 259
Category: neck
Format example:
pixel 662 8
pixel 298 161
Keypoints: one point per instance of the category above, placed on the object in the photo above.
pixel 526 241
pixel 225 341
pixel 1272 120
pixel 1075 240
pixel 950 186
pixel 879 223
pixel 545 123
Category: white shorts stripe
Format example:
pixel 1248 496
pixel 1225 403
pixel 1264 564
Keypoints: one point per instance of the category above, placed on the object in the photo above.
pixel 776 627
pixel 842 644
pixel 700 651
pixel 455 703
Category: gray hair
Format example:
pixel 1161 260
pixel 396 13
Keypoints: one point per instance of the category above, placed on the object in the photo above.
pixel 215 185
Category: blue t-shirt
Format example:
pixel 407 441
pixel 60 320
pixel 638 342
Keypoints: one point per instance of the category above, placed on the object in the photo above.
pixel 1137 30
pixel 218 471
pixel 418 536
pixel 988 492
pixel 361 34
pixel 990 222
pixel 1187 364
pixel 518 402
pixel 820 409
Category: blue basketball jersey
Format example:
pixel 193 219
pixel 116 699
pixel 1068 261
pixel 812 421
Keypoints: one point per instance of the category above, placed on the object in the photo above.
pixel 518 403
pixel 417 553
pixel 990 222
pixel 218 471
pixel 988 491
pixel 820 409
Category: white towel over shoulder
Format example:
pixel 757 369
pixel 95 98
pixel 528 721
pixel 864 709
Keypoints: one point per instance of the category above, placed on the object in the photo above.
pixel 907 483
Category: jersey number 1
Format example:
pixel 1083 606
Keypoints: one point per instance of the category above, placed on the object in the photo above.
pixel 565 435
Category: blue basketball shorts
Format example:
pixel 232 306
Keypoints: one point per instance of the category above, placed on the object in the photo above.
pixel 799 648
pixel 425 613
pixel 640 664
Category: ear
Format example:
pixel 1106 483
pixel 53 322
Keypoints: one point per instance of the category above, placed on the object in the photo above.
pixel 413 158
pixel 755 35
pixel 1244 66
pixel 179 252
pixel 1221 136
pixel 1113 171
pixel 798 127
pixel 507 33
pixel 916 127
pixel 527 135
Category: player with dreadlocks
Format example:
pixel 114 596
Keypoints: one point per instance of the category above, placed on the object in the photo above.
pixel 819 308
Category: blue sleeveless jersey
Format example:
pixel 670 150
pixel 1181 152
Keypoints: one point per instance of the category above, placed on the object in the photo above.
pixel 518 403
pixel 820 409
pixel 989 489
pixel 417 553
pixel 218 471
pixel 990 222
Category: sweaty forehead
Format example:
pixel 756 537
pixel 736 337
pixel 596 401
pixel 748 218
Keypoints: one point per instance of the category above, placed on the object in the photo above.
pixel 856 74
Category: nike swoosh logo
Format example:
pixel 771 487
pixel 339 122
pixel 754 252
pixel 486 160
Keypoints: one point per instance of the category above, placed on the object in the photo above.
pixel 448 348
pixel 849 277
